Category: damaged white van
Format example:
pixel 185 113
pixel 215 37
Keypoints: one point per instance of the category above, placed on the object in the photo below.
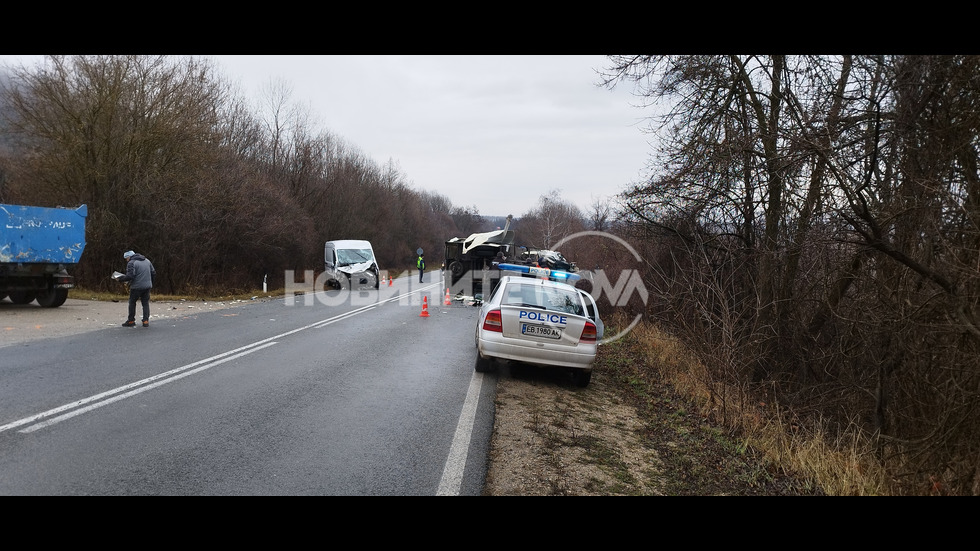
pixel 350 264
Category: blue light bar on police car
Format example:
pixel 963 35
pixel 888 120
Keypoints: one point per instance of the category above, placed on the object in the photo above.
pixel 556 275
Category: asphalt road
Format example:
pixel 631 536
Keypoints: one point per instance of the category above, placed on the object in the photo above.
pixel 355 395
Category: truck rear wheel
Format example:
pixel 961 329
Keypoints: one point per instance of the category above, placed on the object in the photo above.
pixel 52 298
pixel 21 297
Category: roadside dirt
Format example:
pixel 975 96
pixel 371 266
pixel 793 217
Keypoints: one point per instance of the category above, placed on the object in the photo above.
pixel 625 434
pixel 25 322
pixel 553 438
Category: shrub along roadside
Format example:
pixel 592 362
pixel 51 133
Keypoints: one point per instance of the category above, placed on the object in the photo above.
pixel 791 457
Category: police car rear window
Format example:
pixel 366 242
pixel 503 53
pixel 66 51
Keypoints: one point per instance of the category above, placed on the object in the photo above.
pixel 543 297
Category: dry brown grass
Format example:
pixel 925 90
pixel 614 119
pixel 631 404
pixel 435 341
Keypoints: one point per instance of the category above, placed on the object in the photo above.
pixel 839 465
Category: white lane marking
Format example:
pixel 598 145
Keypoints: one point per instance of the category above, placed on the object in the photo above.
pixel 123 388
pixel 172 372
pixel 341 317
pixel 139 390
pixel 452 473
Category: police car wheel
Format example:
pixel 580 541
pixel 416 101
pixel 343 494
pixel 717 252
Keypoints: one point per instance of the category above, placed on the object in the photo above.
pixel 582 377
pixel 483 365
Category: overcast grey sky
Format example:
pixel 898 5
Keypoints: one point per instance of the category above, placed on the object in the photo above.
pixel 494 132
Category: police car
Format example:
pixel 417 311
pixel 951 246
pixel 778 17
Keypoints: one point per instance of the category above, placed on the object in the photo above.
pixel 536 316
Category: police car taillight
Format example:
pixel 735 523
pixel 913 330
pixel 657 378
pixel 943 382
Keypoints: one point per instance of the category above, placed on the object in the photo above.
pixel 492 323
pixel 588 333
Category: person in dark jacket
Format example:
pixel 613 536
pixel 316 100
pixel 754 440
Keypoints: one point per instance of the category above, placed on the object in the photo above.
pixel 140 274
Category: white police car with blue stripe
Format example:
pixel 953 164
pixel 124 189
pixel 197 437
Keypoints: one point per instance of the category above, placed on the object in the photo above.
pixel 535 316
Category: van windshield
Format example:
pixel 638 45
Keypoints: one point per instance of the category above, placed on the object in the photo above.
pixel 346 257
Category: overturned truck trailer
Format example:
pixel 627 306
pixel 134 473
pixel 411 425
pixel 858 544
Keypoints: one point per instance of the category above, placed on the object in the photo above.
pixel 469 256
pixel 472 262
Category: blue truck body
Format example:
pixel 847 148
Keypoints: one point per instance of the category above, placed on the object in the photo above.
pixel 37 246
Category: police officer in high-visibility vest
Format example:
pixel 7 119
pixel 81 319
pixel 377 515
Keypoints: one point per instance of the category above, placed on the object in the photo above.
pixel 421 264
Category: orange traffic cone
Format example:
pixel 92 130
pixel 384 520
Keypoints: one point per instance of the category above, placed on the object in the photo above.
pixel 425 307
pixel 389 281
pixel 448 301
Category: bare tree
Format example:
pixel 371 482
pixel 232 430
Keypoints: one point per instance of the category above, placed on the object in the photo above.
pixel 843 189
pixel 467 220
pixel 550 221
pixel 127 134
pixel 599 213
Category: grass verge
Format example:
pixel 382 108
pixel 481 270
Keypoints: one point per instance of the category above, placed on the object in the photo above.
pixel 665 379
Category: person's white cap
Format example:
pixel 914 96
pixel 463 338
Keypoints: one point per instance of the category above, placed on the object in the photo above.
pixel 128 254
